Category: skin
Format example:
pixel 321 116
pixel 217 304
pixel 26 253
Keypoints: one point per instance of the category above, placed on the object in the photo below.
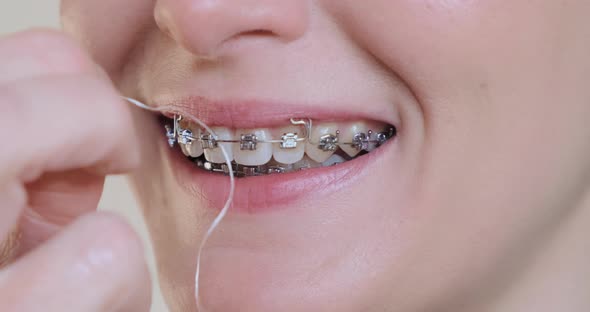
pixel 487 200
pixel 53 244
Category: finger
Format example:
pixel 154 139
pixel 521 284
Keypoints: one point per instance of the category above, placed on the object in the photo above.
pixel 65 122
pixel 59 198
pixel 12 195
pixel 9 247
pixel 55 200
pixel 37 138
pixel 97 264
pixel 36 53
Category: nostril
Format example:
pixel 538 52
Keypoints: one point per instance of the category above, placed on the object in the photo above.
pixel 253 34
pixel 257 32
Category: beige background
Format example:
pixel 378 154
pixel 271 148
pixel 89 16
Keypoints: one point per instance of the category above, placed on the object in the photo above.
pixel 17 15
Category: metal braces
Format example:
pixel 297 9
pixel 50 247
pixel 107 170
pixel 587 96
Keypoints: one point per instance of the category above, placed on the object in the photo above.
pixel 177 134
pixel 253 171
pixel 241 170
pixel 328 142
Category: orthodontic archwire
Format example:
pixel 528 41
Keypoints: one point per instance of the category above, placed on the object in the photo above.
pixel 328 142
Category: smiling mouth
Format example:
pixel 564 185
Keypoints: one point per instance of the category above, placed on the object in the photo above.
pixel 300 145
pixel 280 161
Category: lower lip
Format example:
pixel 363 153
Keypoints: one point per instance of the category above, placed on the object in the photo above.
pixel 267 193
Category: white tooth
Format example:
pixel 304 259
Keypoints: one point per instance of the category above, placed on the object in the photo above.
pixel 215 155
pixel 333 160
pixel 306 163
pixel 261 155
pixel 311 148
pixel 185 149
pixel 288 156
pixel 349 130
pixel 194 149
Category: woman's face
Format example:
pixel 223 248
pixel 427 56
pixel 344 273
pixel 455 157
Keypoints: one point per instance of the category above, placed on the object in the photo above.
pixel 490 101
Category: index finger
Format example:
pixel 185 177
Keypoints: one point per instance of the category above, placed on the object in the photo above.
pixel 41 52
pixel 63 123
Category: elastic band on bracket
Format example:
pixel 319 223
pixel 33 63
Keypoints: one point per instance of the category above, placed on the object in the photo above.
pixel 230 197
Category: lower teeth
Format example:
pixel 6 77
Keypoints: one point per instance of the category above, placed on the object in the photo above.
pixel 271 167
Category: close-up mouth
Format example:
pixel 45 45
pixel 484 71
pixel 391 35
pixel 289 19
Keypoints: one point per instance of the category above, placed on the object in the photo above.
pixel 256 152
pixel 276 160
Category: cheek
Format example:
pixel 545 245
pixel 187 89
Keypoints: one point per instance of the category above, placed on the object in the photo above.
pixel 433 44
pixel 500 84
pixel 488 75
pixel 109 29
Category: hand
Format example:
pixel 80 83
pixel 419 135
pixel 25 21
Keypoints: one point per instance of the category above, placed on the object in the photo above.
pixel 63 128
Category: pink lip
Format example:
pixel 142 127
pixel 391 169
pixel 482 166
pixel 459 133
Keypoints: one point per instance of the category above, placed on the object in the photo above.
pixel 272 192
pixel 253 114
pixel 267 193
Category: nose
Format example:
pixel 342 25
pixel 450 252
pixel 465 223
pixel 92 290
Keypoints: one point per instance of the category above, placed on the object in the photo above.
pixel 205 27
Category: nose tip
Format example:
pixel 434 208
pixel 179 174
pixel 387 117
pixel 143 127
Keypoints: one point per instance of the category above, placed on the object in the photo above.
pixel 203 27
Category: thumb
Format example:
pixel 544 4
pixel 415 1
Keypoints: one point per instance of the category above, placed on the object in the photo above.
pixel 96 264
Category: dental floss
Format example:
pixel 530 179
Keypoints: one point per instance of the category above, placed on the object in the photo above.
pixel 223 212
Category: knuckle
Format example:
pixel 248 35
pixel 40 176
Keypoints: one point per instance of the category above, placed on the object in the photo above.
pixel 122 247
pixel 109 253
pixel 131 273
pixel 51 49
pixel 117 256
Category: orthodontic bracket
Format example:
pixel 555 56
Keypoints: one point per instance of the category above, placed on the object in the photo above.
pixel 289 141
pixel 248 142
pixel 171 135
pixel 328 142
pixel 208 141
pixel 186 137
pixel 361 141
pixel 241 170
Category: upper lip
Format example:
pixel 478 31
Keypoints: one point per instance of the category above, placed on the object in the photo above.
pixel 259 113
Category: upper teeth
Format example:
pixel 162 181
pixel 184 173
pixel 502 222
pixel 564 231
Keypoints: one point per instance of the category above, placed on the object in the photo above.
pixel 255 147
pixel 290 150
pixel 249 152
